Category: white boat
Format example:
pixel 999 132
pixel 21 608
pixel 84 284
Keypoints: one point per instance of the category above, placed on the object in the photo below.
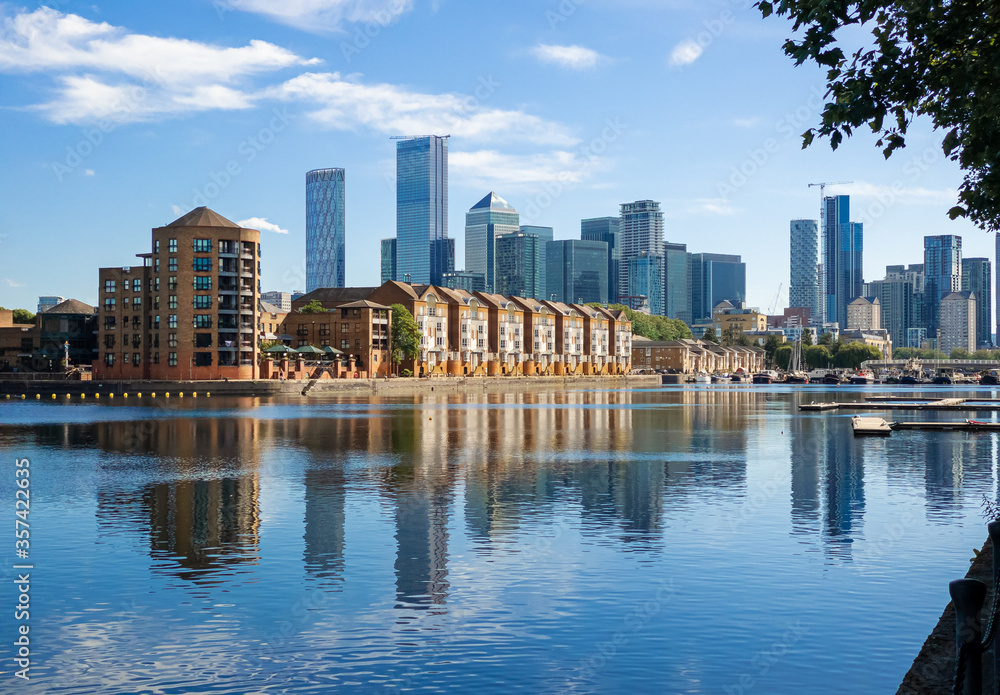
pixel 700 378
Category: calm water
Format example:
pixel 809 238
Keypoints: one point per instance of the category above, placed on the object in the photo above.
pixel 709 540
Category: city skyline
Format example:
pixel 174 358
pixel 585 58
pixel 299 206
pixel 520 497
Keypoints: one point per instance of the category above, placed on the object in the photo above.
pixel 523 121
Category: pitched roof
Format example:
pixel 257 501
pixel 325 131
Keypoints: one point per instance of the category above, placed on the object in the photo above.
pixel 269 308
pixel 363 304
pixel 492 202
pixel 71 306
pixel 335 294
pixel 203 217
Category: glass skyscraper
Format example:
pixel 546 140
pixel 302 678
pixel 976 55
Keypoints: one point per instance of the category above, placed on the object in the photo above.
pixel 676 282
pixel 606 229
pixel 325 230
pixel 388 259
pixel 803 288
pixel 488 219
pixel 545 235
pixel 577 271
pixel 518 265
pixel 977 278
pixel 716 277
pixel 640 230
pixel 942 276
pixel 645 275
pixel 421 207
pixel 843 249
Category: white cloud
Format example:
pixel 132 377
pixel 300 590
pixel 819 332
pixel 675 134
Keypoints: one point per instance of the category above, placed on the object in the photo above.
pixel 711 206
pixel 176 209
pixel 745 122
pixel 492 169
pixel 12 283
pixel 105 72
pixel 346 104
pixel 896 193
pixel 573 57
pixel 88 172
pixel 321 15
pixel 685 53
pixel 262 225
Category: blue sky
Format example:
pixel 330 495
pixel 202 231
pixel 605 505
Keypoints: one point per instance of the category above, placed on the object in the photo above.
pixel 120 116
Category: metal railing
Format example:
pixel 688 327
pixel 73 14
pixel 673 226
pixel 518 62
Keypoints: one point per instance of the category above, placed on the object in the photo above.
pixel 971 644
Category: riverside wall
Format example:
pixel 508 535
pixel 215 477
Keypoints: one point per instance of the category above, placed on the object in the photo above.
pixel 325 387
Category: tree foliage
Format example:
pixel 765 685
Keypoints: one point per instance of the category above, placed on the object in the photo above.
pixel 782 356
pixel 710 335
pixel 851 356
pixel 905 353
pixel 816 356
pixel 931 58
pixel 313 306
pixel 405 335
pixel 652 327
pixel 21 316
pixel 807 336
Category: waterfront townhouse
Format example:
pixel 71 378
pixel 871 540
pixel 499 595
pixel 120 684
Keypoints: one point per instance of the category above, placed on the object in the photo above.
pixel 595 339
pixel 568 338
pixel 190 311
pixel 505 334
pixel 619 341
pixel 429 307
pixel 467 331
pixel 540 338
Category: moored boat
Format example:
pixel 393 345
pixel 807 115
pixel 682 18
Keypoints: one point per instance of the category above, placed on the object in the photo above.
pixel 796 378
pixel 942 379
pixel 862 379
pixel 832 378
pixel 909 380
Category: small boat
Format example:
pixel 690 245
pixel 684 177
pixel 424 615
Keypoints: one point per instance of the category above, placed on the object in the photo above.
pixel 908 380
pixel 942 379
pixel 865 426
pixel 720 378
pixel 989 379
pixel 862 379
pixel 762 378
pixel 832 378
pixel 737 378
pixel 816 380
pixel 796 378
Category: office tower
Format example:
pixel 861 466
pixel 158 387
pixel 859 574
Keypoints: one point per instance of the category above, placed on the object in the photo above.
pixel 191 311
pixel 325 230
pixel 544 237
pixel 606 229
pixel 488 219
pixel 977 278
pixel 645 282
pixel 388 259
pixel 640 229
pixel 282 300
pixel 900 297
pixel 421 206
pixel 577 271
pixel 464 280
pixel 942 276
pixel 843 249
pixel 518 266
pixel 677 282
pixel 957 321
pixel 716 277
pixel 442 259
pixel 46 303
pixel 803 287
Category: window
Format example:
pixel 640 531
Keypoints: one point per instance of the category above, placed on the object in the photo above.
pixel 156 358
pixel 137 302
pixel 156 265
pixel 203 283
pixel 440 341
pixel 172 283
pixel 109 322
pixel 482 343
pixel 345 327
pixel 302 343
pixel 202 265
pixel 171 340
pixel 172 359
pixel 465 342
pixel 137 285
pixel 136 359
pixel 156 284
pixel 202 301
pixel 109 286
pixel 154 339
pixel 465 328
pixel 172 302
pixel 109 341
pixel 203 359
pixel 172 246
pixel 503 344
pixel 357 343
pixel 439 325
pixel 156 246
pixel 357 327
pixel 202 321
pixel 156 303
pixel 172 264
pixel 109 303
pixel 203 246
pixel 172 321
pixel 109 359
pixel 202 340
pixel 324 343
pixel 345 344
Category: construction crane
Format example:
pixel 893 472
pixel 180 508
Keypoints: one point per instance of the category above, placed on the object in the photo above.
pixel 823 185
pixel 414 137
pixel 777 300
